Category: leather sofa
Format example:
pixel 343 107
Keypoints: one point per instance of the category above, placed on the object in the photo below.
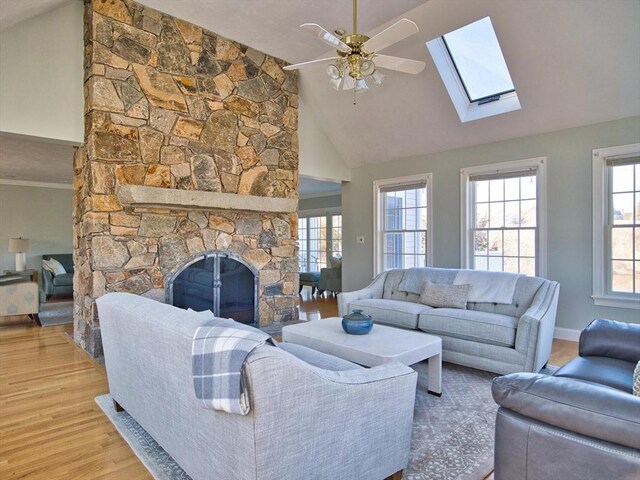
pixel 582 422
pixel 312 415
pixel 59 284
pixel 501 338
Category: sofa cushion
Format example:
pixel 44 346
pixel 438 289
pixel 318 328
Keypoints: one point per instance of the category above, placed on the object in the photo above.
pixel 391 312
pixel 611 372
pixel 445 296
pixel 482 327
pixel 318 359
pixel 63 280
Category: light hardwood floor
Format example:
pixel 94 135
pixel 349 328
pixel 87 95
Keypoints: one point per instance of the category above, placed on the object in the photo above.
pixel 50 426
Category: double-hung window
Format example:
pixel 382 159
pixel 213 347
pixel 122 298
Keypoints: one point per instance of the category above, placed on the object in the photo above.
pixel 503 217
pixel 319 237
pixel 402 233
pixel 616 226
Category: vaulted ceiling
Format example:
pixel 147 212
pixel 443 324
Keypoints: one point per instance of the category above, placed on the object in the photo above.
pixel 573 62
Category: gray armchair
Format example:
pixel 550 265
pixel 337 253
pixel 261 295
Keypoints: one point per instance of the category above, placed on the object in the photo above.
pixel 331 278
pixel 58 284
pixel 583 422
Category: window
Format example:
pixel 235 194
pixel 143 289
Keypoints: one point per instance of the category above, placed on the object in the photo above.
pixel 402 238
pixel 474 71
pixel 616 226
pixel 319 238
pixel 503 214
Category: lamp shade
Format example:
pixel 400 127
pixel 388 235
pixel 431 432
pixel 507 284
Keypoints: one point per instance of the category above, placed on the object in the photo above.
pixel 19 245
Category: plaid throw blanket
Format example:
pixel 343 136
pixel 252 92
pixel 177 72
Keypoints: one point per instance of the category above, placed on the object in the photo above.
pixel 218 352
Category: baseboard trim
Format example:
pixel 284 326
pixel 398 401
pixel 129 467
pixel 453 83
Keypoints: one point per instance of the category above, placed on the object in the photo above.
pixel 566 334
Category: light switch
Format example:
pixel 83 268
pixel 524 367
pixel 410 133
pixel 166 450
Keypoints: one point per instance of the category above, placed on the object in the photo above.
pixel 359 239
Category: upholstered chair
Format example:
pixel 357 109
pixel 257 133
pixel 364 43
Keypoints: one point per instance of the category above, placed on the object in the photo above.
pixel 19 296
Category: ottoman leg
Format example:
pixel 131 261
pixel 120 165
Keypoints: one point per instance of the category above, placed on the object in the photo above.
pixel 300 289
pixel 313 290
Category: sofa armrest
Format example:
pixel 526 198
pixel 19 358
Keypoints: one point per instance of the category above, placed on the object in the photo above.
pixel 534 336
pixel 373 290
pixel 589 409
pixel 47 281
pixel 609 338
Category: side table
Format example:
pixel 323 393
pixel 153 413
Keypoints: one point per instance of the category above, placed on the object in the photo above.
pixel 33 274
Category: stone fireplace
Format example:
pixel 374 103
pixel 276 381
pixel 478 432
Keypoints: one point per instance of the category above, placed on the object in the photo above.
pixel 190 155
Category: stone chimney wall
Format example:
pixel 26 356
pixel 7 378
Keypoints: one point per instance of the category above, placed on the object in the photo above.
pixel 172 106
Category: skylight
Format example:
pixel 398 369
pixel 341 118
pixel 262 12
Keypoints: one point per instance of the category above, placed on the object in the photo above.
pixel 474 71
pixel 477 56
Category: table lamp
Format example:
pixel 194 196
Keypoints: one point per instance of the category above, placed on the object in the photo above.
pixel 19 246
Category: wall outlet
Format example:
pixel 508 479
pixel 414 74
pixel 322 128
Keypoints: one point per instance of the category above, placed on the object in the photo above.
pixel 359 239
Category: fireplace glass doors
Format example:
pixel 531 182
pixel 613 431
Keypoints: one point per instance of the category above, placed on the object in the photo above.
pixel 219 283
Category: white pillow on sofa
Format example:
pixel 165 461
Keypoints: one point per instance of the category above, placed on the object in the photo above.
pixel 445 296
pixel 53 266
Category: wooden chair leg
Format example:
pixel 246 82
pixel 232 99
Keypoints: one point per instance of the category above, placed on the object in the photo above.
pixel 395 476
pixel 117 406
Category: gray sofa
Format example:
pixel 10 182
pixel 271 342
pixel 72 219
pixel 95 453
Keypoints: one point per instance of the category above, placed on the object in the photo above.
pixel 312 415
pixel 501 338
pixel 59 284
pixel 581 423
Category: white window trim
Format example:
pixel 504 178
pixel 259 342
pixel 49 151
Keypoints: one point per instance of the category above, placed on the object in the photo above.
pixel 601 295
pixel 467 111
pixel 466 207
pixel 378 222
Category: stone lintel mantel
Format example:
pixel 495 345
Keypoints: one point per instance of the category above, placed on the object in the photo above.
pixel 140 196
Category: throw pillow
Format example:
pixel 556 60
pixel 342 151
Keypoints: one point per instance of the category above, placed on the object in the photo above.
pixel 445 296
pixel 636 380
pixel 335 262
pixel 53 266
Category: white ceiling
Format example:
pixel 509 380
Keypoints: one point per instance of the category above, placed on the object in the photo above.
pixel 573 62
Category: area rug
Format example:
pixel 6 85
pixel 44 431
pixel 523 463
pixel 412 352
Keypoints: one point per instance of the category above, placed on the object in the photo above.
pixel 56 313
pixel 452 434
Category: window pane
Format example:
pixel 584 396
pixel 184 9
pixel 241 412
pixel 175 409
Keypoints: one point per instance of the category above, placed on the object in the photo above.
pixel 511 188
pixel 528 266
pixel 528 187
pixel 527 243
pixel 637 243
pixel 495 242
pixel 637 168
pixel 482 191
pixel 528 213
pixel 511 265
pixel 622 243
pixel 512 214
pixel 481 242
pixel 482 215
pixel 496 215
pixel 511 243
pixel 622 208
pixel 622 178
pixel 496 190
pixel 637 278
pixel 622 276
pixel 476 52
pixel 480 263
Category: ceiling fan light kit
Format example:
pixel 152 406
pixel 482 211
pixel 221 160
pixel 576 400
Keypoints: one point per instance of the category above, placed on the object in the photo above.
pixel 357 57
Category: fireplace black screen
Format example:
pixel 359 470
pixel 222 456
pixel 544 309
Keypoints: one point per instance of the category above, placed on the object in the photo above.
pixel 218 283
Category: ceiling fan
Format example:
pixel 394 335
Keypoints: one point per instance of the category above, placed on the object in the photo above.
pixel 357 57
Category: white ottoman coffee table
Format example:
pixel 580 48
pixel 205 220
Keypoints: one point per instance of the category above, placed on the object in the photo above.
pixel 382 345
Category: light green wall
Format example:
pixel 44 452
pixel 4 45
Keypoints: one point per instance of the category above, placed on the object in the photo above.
pixel 41 75
pixel 318 156
pixel 43 215
pixel 318 203
pixel 569 210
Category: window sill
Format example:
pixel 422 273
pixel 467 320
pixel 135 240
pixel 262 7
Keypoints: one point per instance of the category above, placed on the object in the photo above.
pixel 616 301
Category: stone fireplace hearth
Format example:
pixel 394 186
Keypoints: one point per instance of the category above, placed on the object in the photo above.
pixel 190 148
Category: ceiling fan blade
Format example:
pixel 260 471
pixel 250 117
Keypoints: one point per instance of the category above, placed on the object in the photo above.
pixel 400 64
pixel 326 37
pixel 304 64
pixel 396 32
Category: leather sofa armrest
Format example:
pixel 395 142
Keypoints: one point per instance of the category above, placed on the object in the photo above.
pixel 609 338
pixel 589 409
